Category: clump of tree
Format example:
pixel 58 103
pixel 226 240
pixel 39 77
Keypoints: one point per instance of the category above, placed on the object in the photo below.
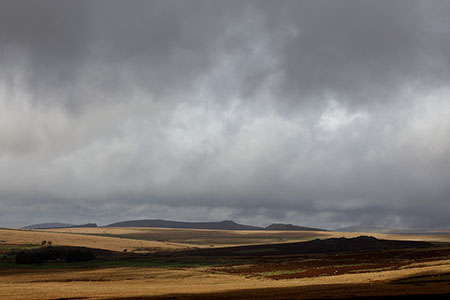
pixel 54 254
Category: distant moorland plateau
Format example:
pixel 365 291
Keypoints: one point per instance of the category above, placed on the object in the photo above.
pixel 157 223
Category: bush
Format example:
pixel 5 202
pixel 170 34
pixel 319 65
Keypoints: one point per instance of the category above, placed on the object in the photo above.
pixel 26 258
pixel 50 254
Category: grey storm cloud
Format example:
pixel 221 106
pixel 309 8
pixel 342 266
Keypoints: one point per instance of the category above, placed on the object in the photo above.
pixel 320 113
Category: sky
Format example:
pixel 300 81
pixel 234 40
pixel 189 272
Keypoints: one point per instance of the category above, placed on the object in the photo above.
pixel 317 113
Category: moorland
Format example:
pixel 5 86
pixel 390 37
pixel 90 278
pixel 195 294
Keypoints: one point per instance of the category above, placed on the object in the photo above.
pixel 176 263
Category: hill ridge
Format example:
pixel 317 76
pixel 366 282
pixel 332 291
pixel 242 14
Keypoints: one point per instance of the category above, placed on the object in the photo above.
pixel 282 226
pixel 54 225
pixel 219 225
pixel 158 223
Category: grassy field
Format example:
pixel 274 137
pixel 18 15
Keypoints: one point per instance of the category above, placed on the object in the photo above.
pixel 155 266
pixel 197 237
pixel 157 239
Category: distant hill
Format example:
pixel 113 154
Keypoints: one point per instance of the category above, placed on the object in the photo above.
pixel 223 225
pixel 55 225
pixel 368 229
pixel 277 226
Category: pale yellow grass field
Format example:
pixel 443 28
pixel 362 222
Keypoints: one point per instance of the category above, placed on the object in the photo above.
pixel 200 237
pixel 20 237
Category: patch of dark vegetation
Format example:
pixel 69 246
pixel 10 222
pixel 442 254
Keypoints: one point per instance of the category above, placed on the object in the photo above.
pixel 423 279
pixel 54 254
pixel 326 264
pixel 287 294
pixel 412 296
pixel 71 298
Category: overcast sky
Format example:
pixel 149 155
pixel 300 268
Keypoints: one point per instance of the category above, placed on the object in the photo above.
pixel 317 113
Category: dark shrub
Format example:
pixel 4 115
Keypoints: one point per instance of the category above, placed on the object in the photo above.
pixel 50 254
pixel 26 258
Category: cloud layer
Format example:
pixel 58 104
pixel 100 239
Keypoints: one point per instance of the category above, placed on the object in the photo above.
pixel 319 113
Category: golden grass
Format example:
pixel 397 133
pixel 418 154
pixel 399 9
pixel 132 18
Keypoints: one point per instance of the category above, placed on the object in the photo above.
pixel 199 237
pixel 20 237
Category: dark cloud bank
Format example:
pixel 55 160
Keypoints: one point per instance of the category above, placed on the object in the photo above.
pixel 319 113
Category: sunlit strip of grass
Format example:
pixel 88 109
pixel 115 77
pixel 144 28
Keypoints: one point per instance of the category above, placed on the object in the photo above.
pixel 281 272
pixel 9 247
pixel 372 270
pixel 137 263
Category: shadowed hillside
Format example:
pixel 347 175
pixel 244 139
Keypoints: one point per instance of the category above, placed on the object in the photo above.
pixel 318 246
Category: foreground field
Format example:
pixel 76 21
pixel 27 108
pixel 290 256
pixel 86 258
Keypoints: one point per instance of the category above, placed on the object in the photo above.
pixel 181 283
pixel 190 264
